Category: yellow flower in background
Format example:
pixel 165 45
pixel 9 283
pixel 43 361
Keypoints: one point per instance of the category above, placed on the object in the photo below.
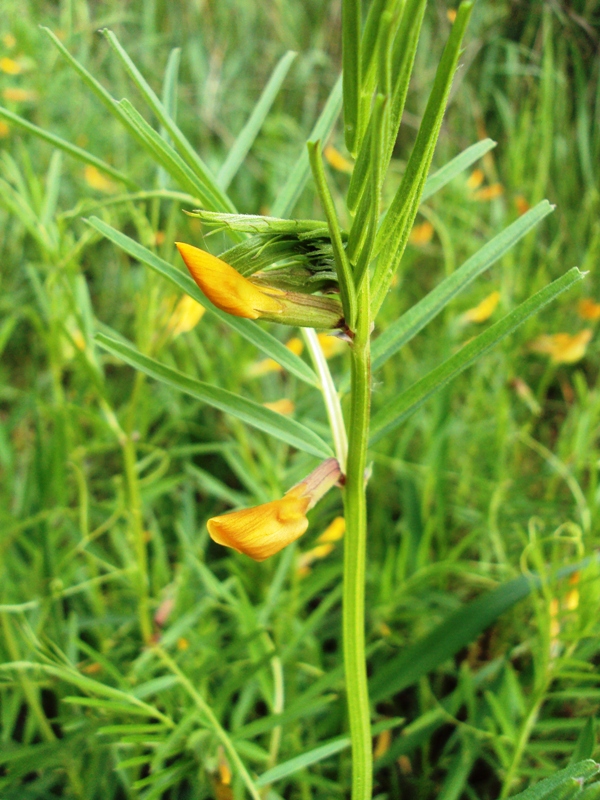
pixel 489 192
pixel 475 179
pixel 336 160
pixel 225 287
pixel 521 205
pixel 97 180
pixel 284 406
pixel 19 95
pixel 186 315
pixel 331 345
pixel 266 365
pixel 326 544
pixel 421 234
pixel 266 529
pixel 483 311
pixel 563 348
pixel 451 14
pixel 10 66
pixel 588 309
pixel 4 129
pixel 9 41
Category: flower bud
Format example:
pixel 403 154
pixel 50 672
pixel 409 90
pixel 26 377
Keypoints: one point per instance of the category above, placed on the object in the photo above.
pixel 255 297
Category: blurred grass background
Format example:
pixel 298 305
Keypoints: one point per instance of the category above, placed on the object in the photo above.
pixel 494 477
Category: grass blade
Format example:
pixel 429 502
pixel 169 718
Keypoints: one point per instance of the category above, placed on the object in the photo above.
pixel 318 754
pixel 249 330
pixel 546 789
pixel 408 401
pixel 72 149
pixel 245 140
pixel 455 632
pixel 416 318
pixel 288 197
pixel 287 430
pixel 455 166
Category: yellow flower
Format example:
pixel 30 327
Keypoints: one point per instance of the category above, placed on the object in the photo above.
pixel 421 234
pixel 334 531
pixel 485 309
pixel 295 345
pixel 4 129
pixel 19 95
pixel 186 315
pixel 330 535
pixel 475 179
pixel 335 159
pixel 521 204
pixel 489 192
pixel 225 287
pixel 588 309
pixel 10 66
pixel 451 14
pixel 284 406
pixel 264 530
pixel 563 348
pixel 95 179
pixel 331 345
pixel 9 40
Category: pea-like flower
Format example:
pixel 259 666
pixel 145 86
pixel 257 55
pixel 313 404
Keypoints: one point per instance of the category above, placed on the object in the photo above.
pixel 264 530
pixel 254 298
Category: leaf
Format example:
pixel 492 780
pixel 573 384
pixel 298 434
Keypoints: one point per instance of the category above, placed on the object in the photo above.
pixel 319 754
pixel 397 223
pixel 283 428
pixel 455 166
pixel 249 330
pixel 456 631
pixel 389 417
pixel 351 69
pixel 586 742
pixel 219 200
pixel 545 790
pixel 288 196
pixel 245 140
pixel 416 318
pixel 67 147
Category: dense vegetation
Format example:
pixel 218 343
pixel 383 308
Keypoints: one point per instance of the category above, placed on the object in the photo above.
pixel 482 675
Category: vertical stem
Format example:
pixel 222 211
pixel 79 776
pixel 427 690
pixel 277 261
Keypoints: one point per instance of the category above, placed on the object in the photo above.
pixel 355 503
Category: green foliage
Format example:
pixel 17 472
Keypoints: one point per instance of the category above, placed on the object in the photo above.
pixel 138 659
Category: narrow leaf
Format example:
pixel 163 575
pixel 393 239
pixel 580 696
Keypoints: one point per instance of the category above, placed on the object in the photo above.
pixel 351 68
pixel 342 265
pixel 319 754
pixel 456 631
pixel 220 201
pixel 287 430
pixel 288 197
pixel 395 228
pixel 246 328
pixel 245 140
pixel 546 789
pixel 67 147
pixel 416 318
pixel 408 401
pixel 455 166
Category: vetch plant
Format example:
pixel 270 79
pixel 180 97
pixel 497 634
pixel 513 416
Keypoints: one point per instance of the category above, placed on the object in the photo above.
pixel 316 275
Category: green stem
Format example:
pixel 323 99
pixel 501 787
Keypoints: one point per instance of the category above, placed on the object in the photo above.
pixel 355 504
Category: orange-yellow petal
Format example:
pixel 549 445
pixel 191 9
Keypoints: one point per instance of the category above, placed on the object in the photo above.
pixel 563 348
pixel 521 205
pixel 475 179
pixel 186 315
pixel 225 287
pixel 10 66
pixel 334 531
pixel 95 179
pixel 489 192
pixel 421 234
pixel 284 406
pixel 295 345
pixel 335 159
pixel 264 530
pixel 331 345
pixel 588 309
pixel 484 310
